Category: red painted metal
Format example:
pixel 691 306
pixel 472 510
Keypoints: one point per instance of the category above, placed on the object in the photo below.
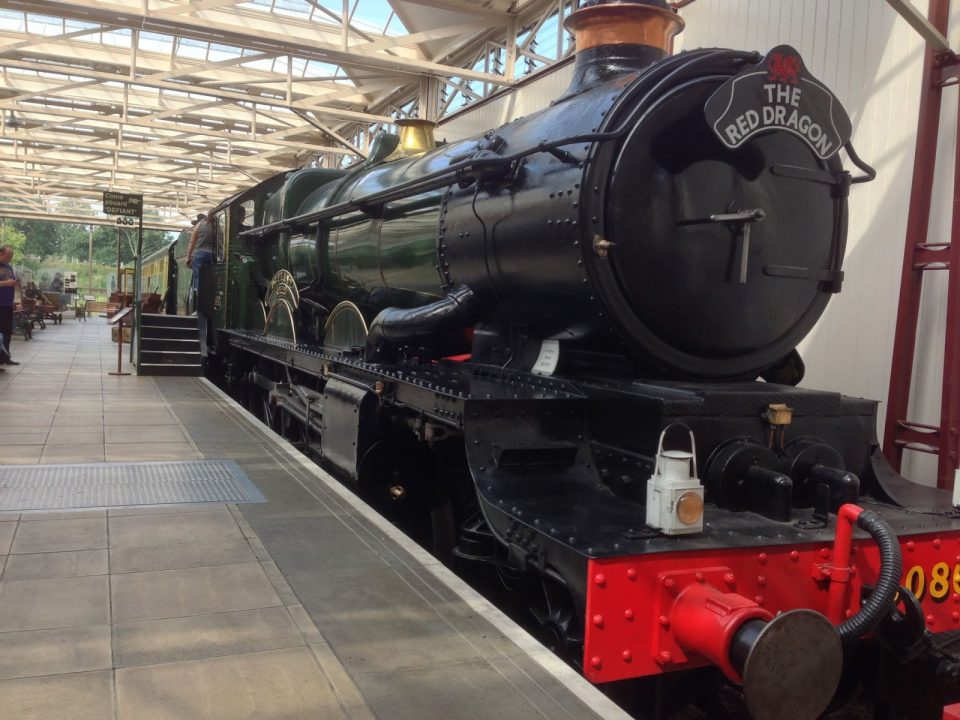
pixel 840 566
pixel 919 256
pixel 951 712
pixel 630 600
pixel 704 621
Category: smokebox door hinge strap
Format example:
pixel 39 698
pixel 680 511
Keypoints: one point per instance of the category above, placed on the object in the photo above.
pixel 804 273
pixel 809 174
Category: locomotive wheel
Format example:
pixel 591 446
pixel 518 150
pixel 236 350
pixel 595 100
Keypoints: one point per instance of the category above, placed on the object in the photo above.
pixel 558 629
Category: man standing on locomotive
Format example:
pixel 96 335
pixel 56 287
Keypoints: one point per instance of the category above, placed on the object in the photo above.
pixel 200 250
pixel 8 281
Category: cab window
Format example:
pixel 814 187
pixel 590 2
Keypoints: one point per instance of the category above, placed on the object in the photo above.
pixel 219 221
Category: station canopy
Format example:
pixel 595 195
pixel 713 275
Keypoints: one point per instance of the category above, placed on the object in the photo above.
pixel 188 103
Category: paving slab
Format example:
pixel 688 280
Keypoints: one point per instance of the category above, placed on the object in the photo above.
pixel 348 609
pixel 144 434
pixel 167 529
pixel 54 603
pixel 20 454
pixel 41 566
pixel 296 540
pixel 444 692
pixel 78 696
pixel 190 591
pixel 71 514
pixel 7 531
pixel 168 509
pixel 69 435
pixel 55 652
pixel 140 558
pixel 146 417
pixel 202 636
pixel 78 420
pixel 25 438
pixel 274 685
pixel 43 536
pixel 60 454
pixel 120 452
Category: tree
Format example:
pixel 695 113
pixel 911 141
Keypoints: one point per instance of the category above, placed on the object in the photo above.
pixel 74 241
pixel 9 235
pixel 43 237
pixel 105 245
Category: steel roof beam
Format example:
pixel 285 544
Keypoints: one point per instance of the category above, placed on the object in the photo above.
pixel 253 98
pixel 224 28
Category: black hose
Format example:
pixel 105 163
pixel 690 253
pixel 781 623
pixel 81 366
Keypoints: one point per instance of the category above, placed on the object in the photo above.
pixel 881 600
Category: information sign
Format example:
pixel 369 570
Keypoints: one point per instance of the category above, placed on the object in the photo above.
pixel 124 204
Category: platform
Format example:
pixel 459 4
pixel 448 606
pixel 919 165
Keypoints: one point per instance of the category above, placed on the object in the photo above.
pixel 302 605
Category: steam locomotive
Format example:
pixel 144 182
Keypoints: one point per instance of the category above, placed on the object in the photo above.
pixel 563 354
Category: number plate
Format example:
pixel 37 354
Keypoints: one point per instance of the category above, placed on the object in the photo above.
pixel 936 582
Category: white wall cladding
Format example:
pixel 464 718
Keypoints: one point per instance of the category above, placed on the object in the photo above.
pixel 873 61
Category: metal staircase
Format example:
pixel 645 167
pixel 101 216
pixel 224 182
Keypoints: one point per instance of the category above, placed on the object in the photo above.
pixel 169 345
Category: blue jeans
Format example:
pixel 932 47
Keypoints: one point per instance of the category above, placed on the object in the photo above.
pixel 200 258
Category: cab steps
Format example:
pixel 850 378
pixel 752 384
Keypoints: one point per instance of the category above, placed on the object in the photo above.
pixel 169 345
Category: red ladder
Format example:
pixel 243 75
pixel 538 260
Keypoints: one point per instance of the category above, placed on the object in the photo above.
pixel 940 69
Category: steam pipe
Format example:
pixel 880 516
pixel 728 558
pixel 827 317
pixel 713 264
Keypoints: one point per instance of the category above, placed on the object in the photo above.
pixel 881 600
pixel 459 309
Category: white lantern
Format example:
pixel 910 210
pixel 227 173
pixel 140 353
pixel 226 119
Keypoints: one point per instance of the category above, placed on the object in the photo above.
pixel 674 493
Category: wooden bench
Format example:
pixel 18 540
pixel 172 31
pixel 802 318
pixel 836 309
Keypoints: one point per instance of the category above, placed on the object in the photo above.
pixel 102 308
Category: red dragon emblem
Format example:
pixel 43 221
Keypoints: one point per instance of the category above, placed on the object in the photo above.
pixel 784 68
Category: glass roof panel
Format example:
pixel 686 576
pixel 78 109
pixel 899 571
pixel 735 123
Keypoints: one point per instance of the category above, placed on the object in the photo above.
pixel 147 120
pixel 44 24
pixel 375 14
pixel 223 52
pixel 190 48
pixel 12 20
pixel 118 38
pixel 155 42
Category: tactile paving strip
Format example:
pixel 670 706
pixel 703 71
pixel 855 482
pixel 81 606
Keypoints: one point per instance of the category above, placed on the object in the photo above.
pixel 98 485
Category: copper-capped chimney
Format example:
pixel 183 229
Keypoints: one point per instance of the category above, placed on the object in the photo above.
pixel 618 36
pixel 416 137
